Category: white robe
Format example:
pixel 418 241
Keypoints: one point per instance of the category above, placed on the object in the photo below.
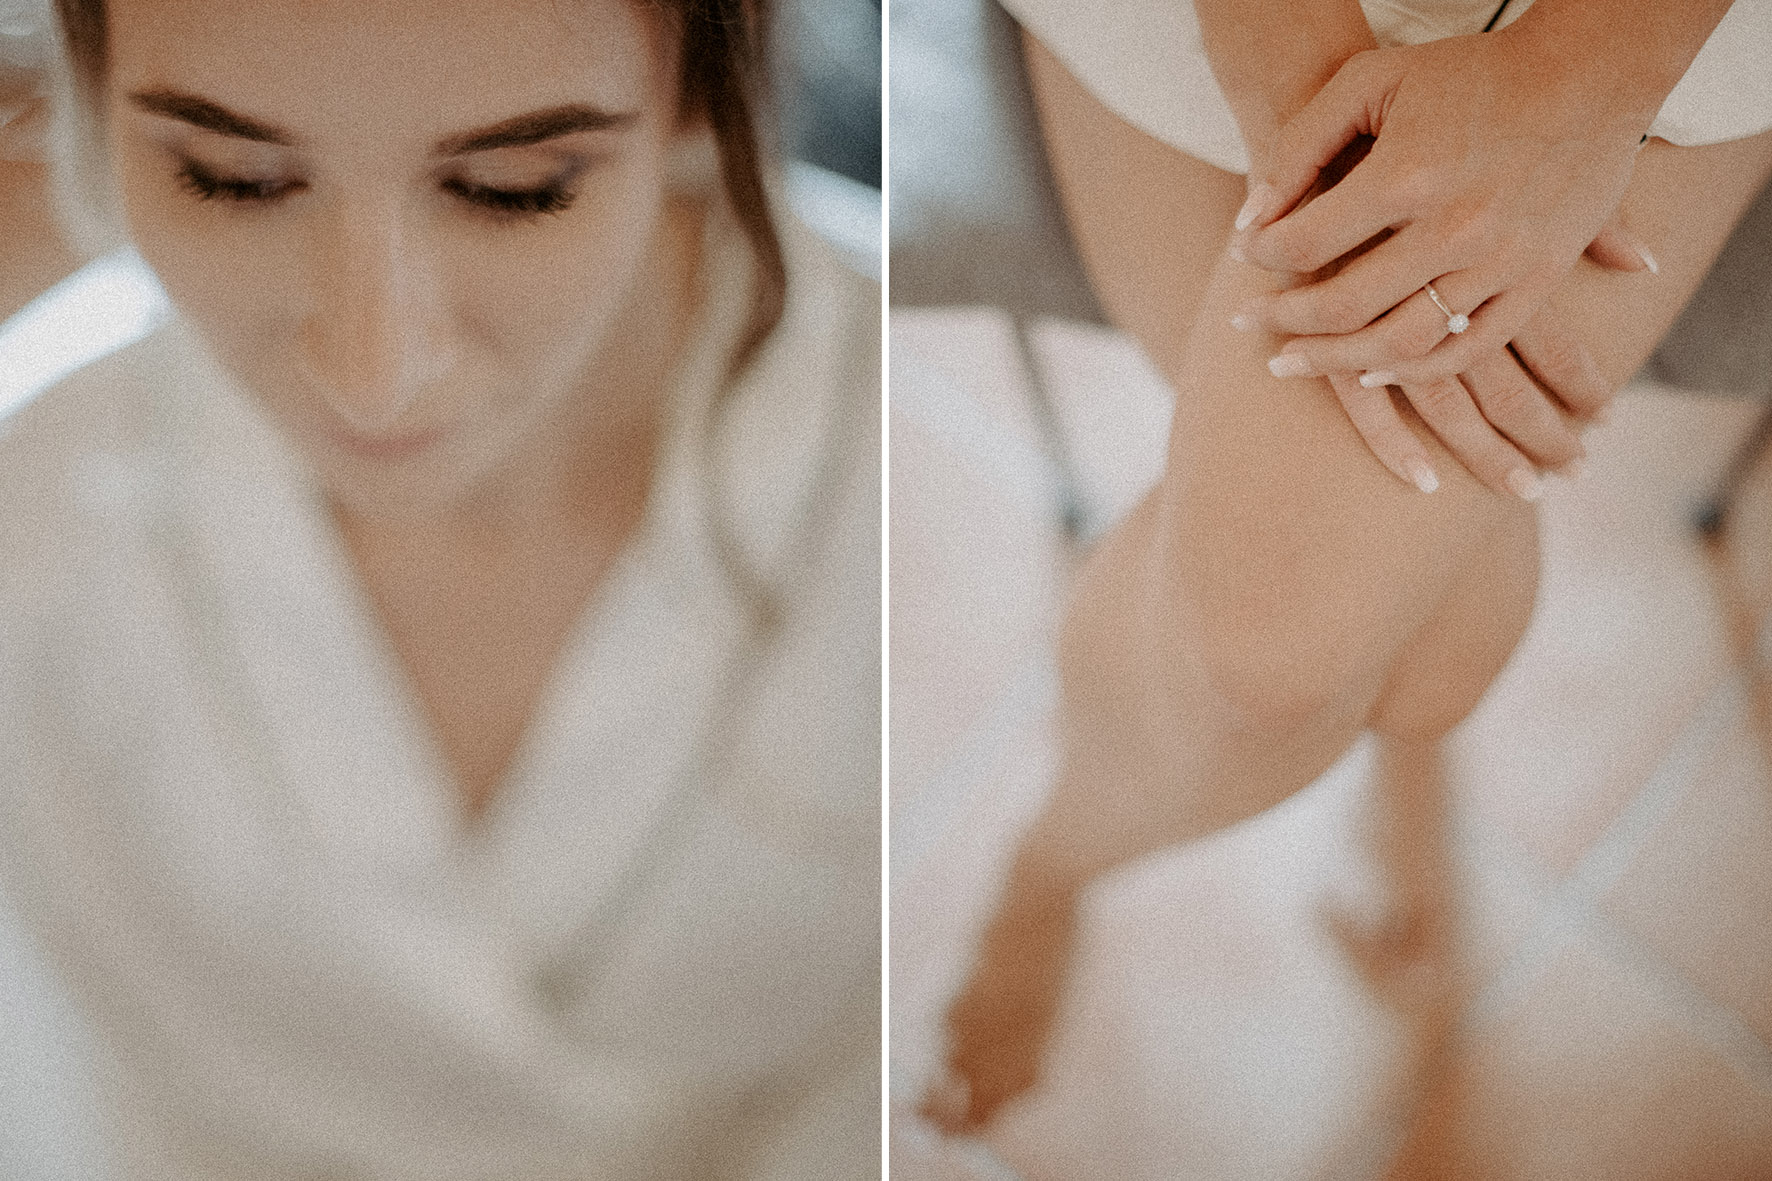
pixel 1145 61
pixel 225 821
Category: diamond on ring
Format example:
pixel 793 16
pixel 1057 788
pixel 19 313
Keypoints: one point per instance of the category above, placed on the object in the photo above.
pixel 1456 322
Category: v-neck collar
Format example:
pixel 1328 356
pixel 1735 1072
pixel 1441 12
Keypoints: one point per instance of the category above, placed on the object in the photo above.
pixel 615 732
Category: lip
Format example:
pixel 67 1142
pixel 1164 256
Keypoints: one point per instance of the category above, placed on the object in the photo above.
pixel 386 447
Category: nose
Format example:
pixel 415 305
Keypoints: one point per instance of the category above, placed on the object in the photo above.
pixel 368 336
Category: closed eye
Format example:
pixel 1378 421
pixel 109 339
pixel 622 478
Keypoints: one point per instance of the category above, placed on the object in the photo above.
pixel 208 186
pixel 550 198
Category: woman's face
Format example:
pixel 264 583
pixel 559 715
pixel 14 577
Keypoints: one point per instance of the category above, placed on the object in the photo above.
pixel 408 227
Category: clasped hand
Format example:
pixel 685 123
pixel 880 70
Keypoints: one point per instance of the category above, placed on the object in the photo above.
pixel 1492 169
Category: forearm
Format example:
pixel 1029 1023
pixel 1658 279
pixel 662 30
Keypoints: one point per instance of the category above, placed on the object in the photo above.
pixel 1271 56
pixel 1627 55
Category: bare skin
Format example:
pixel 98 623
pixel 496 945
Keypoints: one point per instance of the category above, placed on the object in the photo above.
pixel 1279 591
pixel 477 382
pixel 479 609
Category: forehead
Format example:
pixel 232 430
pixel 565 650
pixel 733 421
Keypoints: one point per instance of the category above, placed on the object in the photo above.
pixel 392 69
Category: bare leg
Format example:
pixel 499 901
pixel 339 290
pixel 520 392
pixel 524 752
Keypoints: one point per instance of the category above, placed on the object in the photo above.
pixel 1279 591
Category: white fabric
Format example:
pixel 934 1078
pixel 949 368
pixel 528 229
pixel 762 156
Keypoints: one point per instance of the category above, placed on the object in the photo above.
pixel 1144 60
pixel 226 824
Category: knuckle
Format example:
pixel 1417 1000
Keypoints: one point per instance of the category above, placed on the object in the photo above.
pixel 1438 397
pixel 1470 229
pixel 1560 359
pixel 1293 251
pixel 1415 185
pixel 1510 400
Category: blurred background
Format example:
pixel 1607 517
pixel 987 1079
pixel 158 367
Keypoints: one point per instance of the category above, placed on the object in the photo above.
pixel 59 311
pixel 1597 1003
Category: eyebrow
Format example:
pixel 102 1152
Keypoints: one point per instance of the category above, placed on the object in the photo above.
pixel 519 131
pixel 210 116
pixel 534 128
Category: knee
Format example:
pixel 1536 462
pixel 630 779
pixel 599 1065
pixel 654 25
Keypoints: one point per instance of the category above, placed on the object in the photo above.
pixel 1281 666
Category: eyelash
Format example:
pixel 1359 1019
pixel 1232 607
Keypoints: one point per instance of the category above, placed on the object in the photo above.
pixel 513 202
pixel 505 204
pixel 206 186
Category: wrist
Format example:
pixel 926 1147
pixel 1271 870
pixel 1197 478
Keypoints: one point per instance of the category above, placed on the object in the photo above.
pixel 1271 57
pixel 1618 61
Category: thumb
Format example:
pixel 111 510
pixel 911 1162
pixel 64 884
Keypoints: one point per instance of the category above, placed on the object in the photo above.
pixel 1617 249
pixel 1346 107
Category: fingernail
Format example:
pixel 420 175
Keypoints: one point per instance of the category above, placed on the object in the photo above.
pixel 1649 260
pixel 1377 378
pixel 1244 322
pixel 1575 469
pixel 1524 484
pixel 1423 475
pixel 1257 201
pixel 1290 365
pixel 1235 250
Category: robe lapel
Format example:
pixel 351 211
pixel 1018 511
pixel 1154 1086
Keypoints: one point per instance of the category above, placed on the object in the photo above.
pixel 339 724
pixel 609 768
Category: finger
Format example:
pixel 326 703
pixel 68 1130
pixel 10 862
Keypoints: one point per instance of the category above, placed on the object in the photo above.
pixel 1491 326
pixel 1408 331
pixel 1447 408
pixel 1515 405
pixel 1363 205
pixel 1617 249
pixel 1563 365
pixel 1375 417
pixel 1340 111
pixel 1365 289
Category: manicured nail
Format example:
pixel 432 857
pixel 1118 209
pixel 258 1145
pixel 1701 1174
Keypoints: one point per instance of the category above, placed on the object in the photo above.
pixel 1253 205
pixel 1575 469
pixel 1649 260
pixel 1290 365
pixel 1423 475
pixel 1244 322
pixel 1524 484
pixel 1377 378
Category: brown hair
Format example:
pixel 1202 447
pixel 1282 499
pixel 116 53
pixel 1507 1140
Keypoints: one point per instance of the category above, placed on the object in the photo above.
pixel 724 55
